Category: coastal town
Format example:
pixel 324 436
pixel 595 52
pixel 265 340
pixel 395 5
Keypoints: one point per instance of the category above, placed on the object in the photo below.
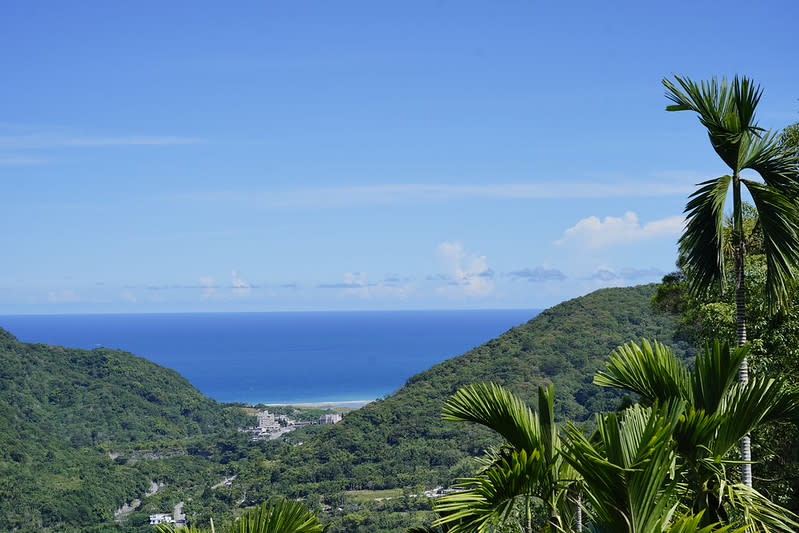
pixel 271 426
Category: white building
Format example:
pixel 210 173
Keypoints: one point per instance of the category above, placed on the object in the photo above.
pixel 267 422
pixel 330 418
pixel 161 518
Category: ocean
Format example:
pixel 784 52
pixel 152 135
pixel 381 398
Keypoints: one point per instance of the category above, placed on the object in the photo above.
pixel 298 357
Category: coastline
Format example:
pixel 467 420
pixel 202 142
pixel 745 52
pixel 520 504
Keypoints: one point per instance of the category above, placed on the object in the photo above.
pixel 324 405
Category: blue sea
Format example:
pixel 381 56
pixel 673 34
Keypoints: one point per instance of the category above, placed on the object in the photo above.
pixel 302 357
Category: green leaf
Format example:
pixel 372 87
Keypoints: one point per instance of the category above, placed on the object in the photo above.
pixel 649 370
pixel 702 244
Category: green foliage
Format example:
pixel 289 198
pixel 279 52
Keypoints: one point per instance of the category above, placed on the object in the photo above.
pixel 629 471
pixel 656 466
pixel 727 111
pixel 627 466
pixel 66 415
pixel 774 351
pixel 276 516
pixel 717 411
pixel 527 466
pixel 790 135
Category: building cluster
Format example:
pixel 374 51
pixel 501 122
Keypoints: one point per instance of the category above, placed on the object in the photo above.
pixel 177 517
pixel 332 418
pixel 271 426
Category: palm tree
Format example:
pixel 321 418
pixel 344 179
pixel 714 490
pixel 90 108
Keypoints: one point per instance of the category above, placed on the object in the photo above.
pixel 628 470
pixel 625 470
pixel 627 467
pixel 728 113
pixel 718 412
pixel 278 516
pixel 527 468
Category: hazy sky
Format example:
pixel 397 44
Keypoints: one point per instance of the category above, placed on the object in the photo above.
pixel 231 156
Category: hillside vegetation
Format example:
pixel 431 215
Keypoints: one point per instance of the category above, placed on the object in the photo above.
pixel 85 431
pixel 62 410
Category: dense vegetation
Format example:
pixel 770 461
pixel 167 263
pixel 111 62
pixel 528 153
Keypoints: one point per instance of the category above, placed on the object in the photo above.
pixel 665 464
pixel 66 413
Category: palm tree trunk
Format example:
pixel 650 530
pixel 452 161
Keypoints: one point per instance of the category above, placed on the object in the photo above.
pixel 740 314
pixel 529 510
pixel 578 513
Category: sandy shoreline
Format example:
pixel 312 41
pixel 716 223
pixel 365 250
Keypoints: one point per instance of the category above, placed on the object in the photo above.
pixel 322 405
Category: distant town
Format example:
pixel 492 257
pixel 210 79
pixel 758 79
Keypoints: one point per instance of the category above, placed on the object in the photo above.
pixel 271 427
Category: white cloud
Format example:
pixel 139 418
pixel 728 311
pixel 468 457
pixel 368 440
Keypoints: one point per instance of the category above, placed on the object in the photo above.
pixel 209 287
pixel 469 274
pixel 60 141
pixel 358 284
pixel 353 196
pixel 63 296
pixel 240 286
pixel 594 232
pixel 128 296
pixel 20 161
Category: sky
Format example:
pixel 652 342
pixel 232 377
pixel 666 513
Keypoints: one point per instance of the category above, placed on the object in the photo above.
pixel 294 156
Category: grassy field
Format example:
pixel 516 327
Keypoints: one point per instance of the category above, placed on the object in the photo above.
pixel 359 496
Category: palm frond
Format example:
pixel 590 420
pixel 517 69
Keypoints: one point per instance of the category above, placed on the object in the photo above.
pixel 549 430
pixel 726 112
pixel 498 409
pixel 696 430
pixel 702 244
pixel 779 218
pixel 648 369
pixel 776 163
pixel 627 470
pixel 746 95
pixel 748 405
pixel 490 498
pixel 527 465
pixel 715 371
pixel 278 516
pixel 761 512
pixel 691 523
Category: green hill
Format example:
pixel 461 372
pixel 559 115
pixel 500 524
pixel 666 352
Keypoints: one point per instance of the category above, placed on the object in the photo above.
pixel 62 409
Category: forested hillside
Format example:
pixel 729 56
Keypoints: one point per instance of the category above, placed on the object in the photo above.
pixel 62 410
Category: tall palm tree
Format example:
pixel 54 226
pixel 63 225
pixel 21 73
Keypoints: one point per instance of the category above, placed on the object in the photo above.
pixel 718 412
pixel 728 113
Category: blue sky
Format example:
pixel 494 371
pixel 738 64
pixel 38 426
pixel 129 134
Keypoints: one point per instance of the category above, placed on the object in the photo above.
pixel 190 156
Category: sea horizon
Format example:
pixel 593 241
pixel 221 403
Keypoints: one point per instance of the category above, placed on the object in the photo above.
pixel 281 357
pixel 275 311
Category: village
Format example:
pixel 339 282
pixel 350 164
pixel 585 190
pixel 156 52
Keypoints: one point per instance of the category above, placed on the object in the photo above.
pixel 271 427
